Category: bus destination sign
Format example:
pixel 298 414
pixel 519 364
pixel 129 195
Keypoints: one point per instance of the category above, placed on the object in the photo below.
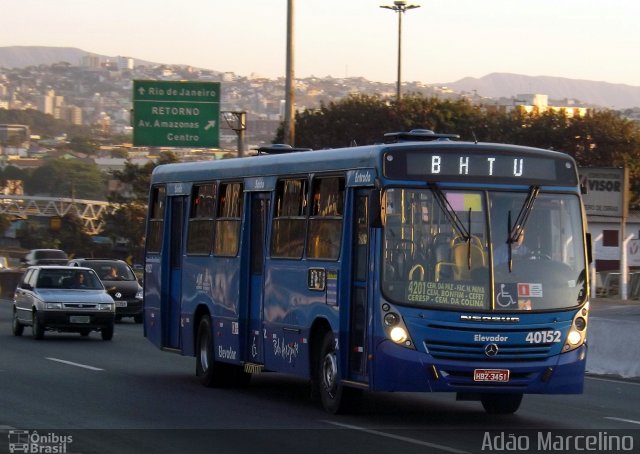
pixel 176 113
pixel 458 165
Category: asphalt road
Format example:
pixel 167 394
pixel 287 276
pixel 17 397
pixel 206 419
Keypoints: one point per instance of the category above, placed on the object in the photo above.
pixel 125 395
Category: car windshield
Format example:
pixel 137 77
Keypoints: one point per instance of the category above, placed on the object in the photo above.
pixel 68 279
pixel 111 271
pixel 458 249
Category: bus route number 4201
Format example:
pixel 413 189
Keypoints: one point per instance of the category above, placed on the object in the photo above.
pixel 544 337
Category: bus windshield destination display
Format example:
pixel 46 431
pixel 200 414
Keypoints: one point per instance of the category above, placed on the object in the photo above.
pixel 474 166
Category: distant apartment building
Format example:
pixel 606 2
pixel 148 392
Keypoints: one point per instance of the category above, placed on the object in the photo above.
pixel 125 63
pixel 50 103
pixel 45 103
pixel 71 114
pixel 90 61
pixel 531 103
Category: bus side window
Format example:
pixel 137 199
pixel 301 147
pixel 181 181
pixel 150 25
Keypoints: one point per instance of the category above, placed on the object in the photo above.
pixel 325 221
pixel 201 219
pixel 156 219
pixel 227 237
pixel 290 211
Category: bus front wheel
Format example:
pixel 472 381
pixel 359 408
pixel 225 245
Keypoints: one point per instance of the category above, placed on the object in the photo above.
pixel 212 373
pixel 335 397
pixel 501 404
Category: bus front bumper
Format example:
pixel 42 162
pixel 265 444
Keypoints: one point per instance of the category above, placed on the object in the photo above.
pixel 401 369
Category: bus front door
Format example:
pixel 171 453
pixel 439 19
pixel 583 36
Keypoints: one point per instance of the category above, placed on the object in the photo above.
pixel 258 233
pixel 358 317
pixel 171 320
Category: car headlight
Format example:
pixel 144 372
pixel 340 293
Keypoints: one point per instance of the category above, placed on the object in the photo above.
pixel 105 307
pixel 54 305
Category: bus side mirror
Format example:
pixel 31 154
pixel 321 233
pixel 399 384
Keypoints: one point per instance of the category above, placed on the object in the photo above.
pixel 375 209
pixel 589 249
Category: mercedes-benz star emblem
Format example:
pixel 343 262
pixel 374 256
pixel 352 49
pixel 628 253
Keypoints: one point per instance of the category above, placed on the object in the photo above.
pixel 491 350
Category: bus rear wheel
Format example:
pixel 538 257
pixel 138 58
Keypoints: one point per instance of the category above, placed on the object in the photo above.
pixel 335 397
pixel 501 404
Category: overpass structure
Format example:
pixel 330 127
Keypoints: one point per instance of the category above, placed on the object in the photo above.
pixel 89 211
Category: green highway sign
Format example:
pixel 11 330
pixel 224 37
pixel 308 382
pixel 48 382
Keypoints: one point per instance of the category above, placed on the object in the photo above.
pixel 176 114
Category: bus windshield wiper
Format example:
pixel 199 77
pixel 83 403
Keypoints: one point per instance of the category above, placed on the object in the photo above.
pixel 446 207
pixel 516 229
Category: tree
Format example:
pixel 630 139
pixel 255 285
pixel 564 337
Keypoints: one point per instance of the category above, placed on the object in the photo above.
pixel 72 237
pixel 138 178
pixel 36 233
pixel 127 222
pixel 355 119
pixel 362 119
pixel 127 218
pixel 83 144
pixel 67 178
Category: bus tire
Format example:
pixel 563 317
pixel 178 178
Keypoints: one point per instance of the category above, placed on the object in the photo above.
pixel 335 397
pixel 501 404
pixel 206 366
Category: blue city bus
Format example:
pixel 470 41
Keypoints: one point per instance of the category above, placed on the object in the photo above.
pixel 423 264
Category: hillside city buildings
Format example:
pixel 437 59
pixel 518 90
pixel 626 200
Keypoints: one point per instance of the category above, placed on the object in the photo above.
pixel 97 91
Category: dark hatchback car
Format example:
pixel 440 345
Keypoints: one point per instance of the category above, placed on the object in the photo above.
pixel 62 298
pixel 121 283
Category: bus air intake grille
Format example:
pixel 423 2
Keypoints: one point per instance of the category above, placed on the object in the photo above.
pixel 453 343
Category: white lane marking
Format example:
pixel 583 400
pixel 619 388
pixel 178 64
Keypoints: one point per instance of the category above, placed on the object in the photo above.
pixel 398 437
pixel 84 366
pixel 613 418
pixel 612 380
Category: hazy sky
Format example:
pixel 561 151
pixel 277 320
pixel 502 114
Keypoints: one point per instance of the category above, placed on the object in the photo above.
pixel 443 41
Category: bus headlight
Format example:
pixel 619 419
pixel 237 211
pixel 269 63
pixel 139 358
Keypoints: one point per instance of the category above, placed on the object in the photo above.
pixel 398 335
pixel 578 331
pixel 394 326
pixel 574 337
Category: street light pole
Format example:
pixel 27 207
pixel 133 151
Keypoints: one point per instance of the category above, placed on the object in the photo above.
pixel 289 89
pixel 399 6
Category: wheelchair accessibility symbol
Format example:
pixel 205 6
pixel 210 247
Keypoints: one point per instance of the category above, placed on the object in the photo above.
pixel 505 297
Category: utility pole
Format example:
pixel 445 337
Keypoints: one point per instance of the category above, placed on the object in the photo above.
pixel 238 122
pixel 289 90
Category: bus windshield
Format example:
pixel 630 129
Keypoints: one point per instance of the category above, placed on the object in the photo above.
pixel 483 250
